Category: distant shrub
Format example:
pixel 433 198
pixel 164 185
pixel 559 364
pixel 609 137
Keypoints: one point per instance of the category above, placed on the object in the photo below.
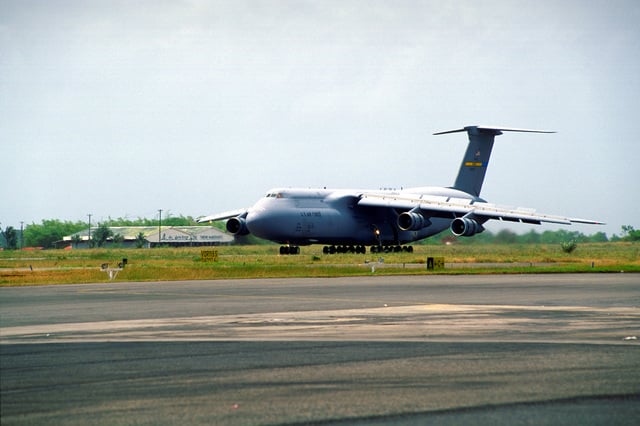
pixel 569 246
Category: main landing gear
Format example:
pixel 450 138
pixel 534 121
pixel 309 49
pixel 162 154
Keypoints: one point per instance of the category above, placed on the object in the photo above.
pixel 363 250
pixel 391 249
pixel 344 249
pixel 359 249
pixel 289 250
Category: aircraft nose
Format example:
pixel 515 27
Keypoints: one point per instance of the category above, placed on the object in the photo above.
pixel 258 223
pixel 268 224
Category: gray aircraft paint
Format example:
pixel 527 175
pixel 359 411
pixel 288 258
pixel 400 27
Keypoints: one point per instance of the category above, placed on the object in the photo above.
pixel 299 216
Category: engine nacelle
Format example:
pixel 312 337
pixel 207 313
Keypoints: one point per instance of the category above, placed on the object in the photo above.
pixel 237 226
pixel 465 227
pixel 411 221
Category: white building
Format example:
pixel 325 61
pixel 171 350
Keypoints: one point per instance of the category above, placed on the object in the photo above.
pixel 147 236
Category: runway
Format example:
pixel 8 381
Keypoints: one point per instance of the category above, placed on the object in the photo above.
pixel 497 349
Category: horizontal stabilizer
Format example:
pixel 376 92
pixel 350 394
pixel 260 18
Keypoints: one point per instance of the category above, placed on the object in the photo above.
pixel 492 129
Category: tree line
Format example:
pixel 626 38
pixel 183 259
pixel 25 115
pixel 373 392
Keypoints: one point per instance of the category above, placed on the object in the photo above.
pixel 49 231
pixel 507 236
pixel 46 234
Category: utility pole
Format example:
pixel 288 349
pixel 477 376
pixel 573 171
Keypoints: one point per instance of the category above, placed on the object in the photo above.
pixel 21 235
pixel 159 225
pixel 89 240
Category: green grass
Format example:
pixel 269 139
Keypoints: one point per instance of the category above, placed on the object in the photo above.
pixel 262 261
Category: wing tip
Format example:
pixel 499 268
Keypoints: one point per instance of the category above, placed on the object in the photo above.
pixel 587 221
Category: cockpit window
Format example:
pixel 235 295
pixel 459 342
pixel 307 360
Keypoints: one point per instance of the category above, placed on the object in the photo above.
pixel 275 195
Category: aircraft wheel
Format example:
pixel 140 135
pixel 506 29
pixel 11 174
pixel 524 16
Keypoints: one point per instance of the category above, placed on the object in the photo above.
pixel 285 250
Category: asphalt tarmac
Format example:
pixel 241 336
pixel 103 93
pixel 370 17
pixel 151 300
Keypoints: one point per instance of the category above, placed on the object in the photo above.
pixel 443 350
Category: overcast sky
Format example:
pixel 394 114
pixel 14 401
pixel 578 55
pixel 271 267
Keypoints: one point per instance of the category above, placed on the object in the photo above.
pixel 119 109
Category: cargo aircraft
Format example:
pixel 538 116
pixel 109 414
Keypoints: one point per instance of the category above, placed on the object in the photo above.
pixel 349 220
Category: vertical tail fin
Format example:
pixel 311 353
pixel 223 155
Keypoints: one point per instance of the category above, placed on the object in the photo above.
pixel 476 158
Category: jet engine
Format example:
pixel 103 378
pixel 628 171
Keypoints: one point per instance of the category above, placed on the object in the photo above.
pixel 237 226
pixel 411 221
pixel 465 227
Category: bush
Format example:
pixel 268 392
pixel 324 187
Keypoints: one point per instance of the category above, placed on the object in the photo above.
pixel 569 246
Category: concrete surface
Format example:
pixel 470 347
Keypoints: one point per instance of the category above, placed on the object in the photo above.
pixel 501 349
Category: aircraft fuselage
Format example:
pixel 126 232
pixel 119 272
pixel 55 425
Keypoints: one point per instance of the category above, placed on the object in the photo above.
pixel 321 216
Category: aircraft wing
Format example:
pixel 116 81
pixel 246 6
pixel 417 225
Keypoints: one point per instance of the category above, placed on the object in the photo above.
pixel 222 216
pixel 450 207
